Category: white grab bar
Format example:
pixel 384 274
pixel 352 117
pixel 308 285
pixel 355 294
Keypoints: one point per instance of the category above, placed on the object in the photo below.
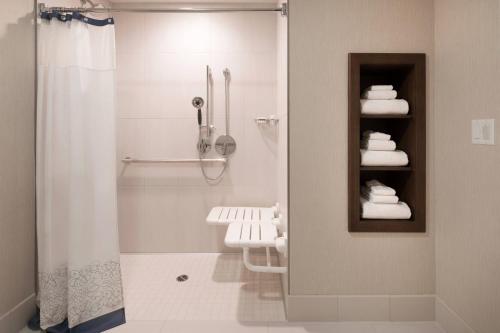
pixel 175 160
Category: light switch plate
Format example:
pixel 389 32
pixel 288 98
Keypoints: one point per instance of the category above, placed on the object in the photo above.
pixel 483 131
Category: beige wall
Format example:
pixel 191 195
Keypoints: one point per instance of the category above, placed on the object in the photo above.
pixel 324 257
pixel 17 220
pixel 467 179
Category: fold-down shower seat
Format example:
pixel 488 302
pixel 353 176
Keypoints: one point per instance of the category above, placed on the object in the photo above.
pixel 228 215
pixel 252 227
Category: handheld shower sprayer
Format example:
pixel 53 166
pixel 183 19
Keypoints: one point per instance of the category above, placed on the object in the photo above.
pixel 204 144
pixel 198 103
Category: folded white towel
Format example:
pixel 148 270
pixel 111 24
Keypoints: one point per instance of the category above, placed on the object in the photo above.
pixel 383 158
pixel 382 145
pixel 375 198
pixel 371 135
pixel 381 106
pixel 381 87
pixel 380 94
pixel 398 211
pixel 379 188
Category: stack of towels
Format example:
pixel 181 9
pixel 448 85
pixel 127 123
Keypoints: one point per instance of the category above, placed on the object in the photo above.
pixel 377 149
pixel 381 99
pixel 379 201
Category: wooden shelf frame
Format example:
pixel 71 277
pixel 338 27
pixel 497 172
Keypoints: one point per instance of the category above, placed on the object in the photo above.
pixel 407 72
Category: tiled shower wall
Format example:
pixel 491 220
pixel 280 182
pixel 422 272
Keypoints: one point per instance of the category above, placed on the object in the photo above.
pixel 282 106
pixel 161 66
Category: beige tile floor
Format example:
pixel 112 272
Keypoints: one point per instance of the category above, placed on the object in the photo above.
pixel 219 296
pixel 224 326
pixel 219 288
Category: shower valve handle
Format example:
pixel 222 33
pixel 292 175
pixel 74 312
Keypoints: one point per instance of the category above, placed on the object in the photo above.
pixel 199 117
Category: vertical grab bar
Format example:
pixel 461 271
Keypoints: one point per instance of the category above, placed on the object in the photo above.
pixel 208 109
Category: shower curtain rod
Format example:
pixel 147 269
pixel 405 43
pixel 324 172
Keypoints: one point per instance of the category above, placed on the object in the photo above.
pixel 43 8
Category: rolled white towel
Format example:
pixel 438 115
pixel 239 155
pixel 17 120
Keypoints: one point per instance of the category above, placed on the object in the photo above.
pixel 381 87
pixel 371 135
pixel 381 145
pixel 375 198
pixel 398 211
pixel 380 94
pixel 384 106
pixel 383 158
pixel 379 188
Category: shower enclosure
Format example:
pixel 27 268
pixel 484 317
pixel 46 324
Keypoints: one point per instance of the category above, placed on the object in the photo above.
pixel 201 122
pixel 162 63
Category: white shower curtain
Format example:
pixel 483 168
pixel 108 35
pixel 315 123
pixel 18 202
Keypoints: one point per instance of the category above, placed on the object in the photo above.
pixel 78 255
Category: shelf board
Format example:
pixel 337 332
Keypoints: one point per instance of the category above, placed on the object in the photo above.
pixel 385 221
pixel 385 225
pixel 386 116
pixel 385 168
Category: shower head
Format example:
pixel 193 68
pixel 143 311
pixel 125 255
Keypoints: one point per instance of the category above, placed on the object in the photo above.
pixel 198 102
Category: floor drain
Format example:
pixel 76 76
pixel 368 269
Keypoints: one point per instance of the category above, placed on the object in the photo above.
pixel 182 278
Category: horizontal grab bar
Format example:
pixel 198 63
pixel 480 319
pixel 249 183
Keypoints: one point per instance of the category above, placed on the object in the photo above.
pixel 175 160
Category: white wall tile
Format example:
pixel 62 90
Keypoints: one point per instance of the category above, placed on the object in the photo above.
pixel 130 142
pixel 130 214
pixel 130 32
pixel 131 99
pixel 130 68
pixel 159 218
pixel 259 100
pixel 177 33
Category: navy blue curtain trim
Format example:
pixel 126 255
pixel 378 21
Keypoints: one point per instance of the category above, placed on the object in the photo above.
pixel 65 16
pixel 96 325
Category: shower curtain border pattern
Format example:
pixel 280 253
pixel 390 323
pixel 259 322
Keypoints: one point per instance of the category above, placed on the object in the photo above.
pixel 96 290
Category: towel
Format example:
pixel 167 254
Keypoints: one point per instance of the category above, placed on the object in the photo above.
pixel 378 188
pixel 381 87
pixel 380 94
pixel 372 135
pixel 379 145
pixel 390 106
pixel 398 211
pixel 375 198
pixel 383 158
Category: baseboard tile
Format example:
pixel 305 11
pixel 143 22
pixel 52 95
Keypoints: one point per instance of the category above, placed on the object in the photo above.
pixel 412 308
pixel 364 308
pixel 361 308
pixel 312 308
pixel 16 318
pixel 449 320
